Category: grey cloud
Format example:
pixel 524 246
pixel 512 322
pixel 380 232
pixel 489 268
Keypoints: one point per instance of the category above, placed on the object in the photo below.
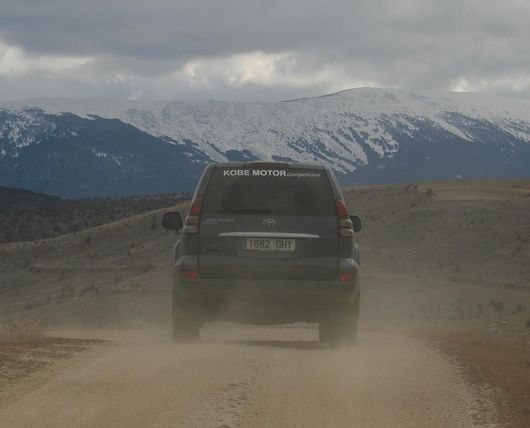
pixel 419 44
pixel 173 29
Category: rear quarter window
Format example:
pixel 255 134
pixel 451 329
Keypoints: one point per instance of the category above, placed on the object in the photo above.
pixel 287 191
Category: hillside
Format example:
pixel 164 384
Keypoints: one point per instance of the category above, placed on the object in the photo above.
pixel 458 246
pixel 108 147
pixel 29 216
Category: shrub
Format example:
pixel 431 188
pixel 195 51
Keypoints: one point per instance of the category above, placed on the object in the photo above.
pixel 67 291
pixel 498 306
pixel 520 308
pixel 92 288
pixel 22 330
pixel 145 268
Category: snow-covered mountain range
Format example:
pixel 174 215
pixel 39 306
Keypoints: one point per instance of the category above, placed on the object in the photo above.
pixel 82 147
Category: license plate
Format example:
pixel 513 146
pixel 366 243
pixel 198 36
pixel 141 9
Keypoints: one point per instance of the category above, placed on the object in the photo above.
pixel 269 244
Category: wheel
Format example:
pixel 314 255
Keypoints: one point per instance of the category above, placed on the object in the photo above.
pixel 335 332
pixel 323 331
pixel 350 331
pixel 185 326
pixel 186 321
pixel 342 328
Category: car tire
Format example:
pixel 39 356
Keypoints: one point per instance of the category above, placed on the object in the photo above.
pixel 341 330
pixel 338 332
pixel 349 331
pixel 186 322
pixel 323 331
pixel 185 327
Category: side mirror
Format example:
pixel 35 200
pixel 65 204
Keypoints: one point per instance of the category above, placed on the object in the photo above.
pixel 172 220
pixel 356 222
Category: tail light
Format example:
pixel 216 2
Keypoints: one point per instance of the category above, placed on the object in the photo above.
pixel 191 222
pixel 346 277
pixel 196 206
pixel 345 224
pixel 342 210
pixel 190 274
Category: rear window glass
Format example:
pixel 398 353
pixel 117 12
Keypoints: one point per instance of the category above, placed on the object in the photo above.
pixel 247 191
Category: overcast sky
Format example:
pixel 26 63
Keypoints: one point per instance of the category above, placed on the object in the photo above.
pixel 260 50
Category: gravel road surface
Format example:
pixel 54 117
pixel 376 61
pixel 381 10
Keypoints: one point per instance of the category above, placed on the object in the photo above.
pixel 246 377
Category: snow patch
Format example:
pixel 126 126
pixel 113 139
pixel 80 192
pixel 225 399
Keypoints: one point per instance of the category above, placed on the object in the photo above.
pixel 336 129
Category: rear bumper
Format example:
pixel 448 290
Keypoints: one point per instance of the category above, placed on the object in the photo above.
pixel 266 301
pixel 328 289
pixel 266 293
pixel 266 290
pixel 222 289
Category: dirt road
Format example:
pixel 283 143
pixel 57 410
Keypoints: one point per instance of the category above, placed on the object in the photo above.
pixel 249 377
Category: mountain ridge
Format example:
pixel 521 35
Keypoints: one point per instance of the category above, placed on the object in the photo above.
pixel 366 135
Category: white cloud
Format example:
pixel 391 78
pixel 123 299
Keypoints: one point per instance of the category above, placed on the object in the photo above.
pixel 284 69
pixel 15 61
pixel 505 83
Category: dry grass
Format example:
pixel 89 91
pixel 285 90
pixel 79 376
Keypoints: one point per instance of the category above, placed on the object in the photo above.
pixel 27 352
pixel 22 330
pixel 497 362
pixel 479 190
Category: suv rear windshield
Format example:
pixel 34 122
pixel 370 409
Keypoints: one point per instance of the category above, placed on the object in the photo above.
pixel 287 191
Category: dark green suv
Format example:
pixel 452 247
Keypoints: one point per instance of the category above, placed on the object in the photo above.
pixel 266 243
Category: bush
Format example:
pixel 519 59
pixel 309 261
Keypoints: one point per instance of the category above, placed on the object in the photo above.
pixel 498 306
pixel 145 268
pixel 23 330
pixel 520 308
pixel 67 291
pixel 92 288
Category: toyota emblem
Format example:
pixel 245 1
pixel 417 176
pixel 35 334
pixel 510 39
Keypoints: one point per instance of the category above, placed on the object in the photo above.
pixel 269 222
